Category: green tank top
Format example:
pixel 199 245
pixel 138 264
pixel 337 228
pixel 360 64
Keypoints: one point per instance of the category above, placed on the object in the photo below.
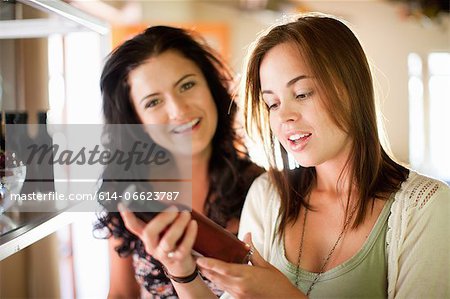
pixel 362 276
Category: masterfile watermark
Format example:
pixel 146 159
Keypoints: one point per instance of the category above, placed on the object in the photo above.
pixel 95 164
pixel 98 196
pixel 140 153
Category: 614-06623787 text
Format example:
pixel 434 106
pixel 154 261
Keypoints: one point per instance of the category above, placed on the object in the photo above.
pixel 101 196
pixel 157 195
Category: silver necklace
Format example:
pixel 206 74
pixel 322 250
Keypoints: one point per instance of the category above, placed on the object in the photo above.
pixel 300 250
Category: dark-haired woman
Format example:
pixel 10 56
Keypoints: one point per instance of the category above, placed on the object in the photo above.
pixel 168 76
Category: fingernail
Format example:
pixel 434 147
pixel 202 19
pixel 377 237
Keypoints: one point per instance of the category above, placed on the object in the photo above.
pixel 121 207
pixel 172 209
pixel 201 262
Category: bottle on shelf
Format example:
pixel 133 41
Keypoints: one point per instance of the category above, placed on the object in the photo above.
pixel 40 176
pixel 45 169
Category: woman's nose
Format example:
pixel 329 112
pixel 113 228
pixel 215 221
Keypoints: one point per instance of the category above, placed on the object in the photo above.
pixel 287 112
pixel 177 108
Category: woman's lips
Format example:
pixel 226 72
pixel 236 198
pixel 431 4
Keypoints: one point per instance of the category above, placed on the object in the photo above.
pixel 297 142
pixel 187 127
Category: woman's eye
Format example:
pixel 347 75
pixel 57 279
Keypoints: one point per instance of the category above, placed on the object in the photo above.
pixel 304 95
pixel 187 86
pixel 272 106
pixel 152 103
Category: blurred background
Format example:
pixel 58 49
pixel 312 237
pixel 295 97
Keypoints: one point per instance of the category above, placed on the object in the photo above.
pixel 51 56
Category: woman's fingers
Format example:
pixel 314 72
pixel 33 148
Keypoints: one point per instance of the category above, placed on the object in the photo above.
pixel 168 237
pixel 132 223
pixel 185 247
pixel 219 267
pixel 176 230
pixel 181 262
pixel 170 234
pixel 161 221
pixel 149 233
pixel 233 278
pixel 256 259
pixel 216 271
pixel 220 281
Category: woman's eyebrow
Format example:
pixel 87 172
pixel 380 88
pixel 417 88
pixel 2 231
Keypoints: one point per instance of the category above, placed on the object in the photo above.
pixel 292 81
pixel 298 78
pixel 149 96
pixel 182 78
pixel 175 84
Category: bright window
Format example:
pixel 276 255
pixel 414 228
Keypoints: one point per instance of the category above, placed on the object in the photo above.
pixel 429 109
pixel 75 62
pixel 439 89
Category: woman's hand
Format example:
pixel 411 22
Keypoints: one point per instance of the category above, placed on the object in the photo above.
pixel 168 237
pixel 261 280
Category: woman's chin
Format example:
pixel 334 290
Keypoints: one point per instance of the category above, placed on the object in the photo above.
pixel 303 162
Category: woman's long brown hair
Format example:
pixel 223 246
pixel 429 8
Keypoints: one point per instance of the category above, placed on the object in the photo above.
pixel 343 75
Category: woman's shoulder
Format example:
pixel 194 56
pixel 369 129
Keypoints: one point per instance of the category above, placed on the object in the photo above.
pixel 262 182
pixel 261 206
pixel 417 229
pixel 418 192
pixel 263 190
pixel 420 202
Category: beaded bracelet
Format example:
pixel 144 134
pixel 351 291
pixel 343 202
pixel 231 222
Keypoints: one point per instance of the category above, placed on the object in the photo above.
pixel 184 279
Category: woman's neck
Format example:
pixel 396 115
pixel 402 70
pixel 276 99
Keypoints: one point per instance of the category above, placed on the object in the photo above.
pixel 197 169
pixel 334 176
pixel 200 183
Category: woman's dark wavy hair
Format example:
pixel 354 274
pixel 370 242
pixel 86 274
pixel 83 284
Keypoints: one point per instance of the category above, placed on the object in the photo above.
pixel 340 68
pixel 230 170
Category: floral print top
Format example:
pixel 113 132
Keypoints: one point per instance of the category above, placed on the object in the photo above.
pixel 154 283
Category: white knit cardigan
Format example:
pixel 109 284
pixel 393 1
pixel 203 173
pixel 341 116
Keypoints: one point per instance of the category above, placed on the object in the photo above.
pixel 418 240
pixel 418 236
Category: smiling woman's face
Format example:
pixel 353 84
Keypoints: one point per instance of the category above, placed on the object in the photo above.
pixel 170 90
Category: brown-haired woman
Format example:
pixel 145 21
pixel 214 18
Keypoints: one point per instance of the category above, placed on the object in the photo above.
pixel 349 221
